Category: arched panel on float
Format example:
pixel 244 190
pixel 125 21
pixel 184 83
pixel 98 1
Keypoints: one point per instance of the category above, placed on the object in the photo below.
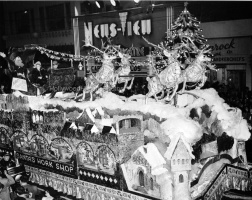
pixel 4 137
pixel 61 150
pixel 85 155
pixel 20 141
pixel 5 118
pixel 106 159
pixel 39 145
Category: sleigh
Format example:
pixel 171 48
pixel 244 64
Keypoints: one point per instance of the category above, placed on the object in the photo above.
pixel 61 78
pixel 58 80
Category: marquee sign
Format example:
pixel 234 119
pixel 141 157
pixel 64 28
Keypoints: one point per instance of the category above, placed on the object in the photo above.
pixel 112 29
pixel 56 167
pixel 230 59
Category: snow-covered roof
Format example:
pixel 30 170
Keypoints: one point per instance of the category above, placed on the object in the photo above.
pixel 152 155
pixel 173 145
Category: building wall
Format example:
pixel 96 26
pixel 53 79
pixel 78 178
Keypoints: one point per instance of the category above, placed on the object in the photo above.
pixel 235 59
pixel 181 185
pixel 35 34
pixel 232 47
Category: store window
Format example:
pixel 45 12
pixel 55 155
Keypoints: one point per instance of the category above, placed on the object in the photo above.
pixel 236 79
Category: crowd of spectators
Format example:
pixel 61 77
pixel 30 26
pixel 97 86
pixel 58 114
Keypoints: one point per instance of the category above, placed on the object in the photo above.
pixel 239 98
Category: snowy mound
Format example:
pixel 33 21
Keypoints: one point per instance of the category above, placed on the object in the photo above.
pixel 175 119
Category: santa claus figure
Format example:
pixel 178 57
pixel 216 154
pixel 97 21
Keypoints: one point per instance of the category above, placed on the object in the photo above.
pixel 38 74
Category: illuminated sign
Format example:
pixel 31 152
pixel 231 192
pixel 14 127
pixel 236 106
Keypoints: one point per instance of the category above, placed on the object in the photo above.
pixel 127 28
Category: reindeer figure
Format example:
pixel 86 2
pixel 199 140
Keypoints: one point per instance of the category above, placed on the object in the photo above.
pixel 123 72
pixel 154 87
pixel 169 78
pixel 105 75
pixel 196 71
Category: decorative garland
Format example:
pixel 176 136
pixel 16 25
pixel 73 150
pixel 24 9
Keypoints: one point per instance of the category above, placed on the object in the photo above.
pixel 58 55
pixel 54 55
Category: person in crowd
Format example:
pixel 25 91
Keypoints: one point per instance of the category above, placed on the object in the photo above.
pixel 22 194
pixel 5 75
pixel 7 182
pixel 38 74
pixel 7 161
pixel 57 65
pixel 215 84
pixel 15 67
pixel 1 188
pixel 47 195
pixel 32 189
pixel 18 69
pixel 79 82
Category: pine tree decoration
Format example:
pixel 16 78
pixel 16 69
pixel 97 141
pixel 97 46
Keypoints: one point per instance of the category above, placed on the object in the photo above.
pixel 184 57
pixel 187 26
pixel 186 31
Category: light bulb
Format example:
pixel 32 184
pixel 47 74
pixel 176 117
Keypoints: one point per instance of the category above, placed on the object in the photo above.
pixel 97 4
pixel 113 2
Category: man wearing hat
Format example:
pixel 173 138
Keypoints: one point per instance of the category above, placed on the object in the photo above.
pixel 38 75
pixel 22 193
pixel 6 161
pixel 57 65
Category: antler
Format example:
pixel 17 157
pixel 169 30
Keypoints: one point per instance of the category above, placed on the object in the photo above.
pixel 205 50
pixel 153 44
pixel 2 54
pixel 88 44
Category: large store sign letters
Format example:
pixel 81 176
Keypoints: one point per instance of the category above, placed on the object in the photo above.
pixel 229 50
pixel 127 28
pixel 228 47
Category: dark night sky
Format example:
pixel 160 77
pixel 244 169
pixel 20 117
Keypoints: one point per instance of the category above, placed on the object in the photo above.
pixel 207 11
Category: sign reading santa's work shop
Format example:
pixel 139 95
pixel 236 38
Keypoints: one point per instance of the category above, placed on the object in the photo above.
pixel 49 165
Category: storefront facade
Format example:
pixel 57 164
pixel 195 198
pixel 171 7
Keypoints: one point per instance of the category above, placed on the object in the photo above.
pixel 125 28
pixel 231 45
pixel 230 40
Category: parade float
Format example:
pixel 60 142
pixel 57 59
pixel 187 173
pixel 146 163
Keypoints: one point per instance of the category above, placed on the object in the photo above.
pixel 185 143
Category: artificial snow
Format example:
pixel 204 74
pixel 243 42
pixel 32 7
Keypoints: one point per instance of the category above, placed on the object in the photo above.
pixel 176 119
pixel 154 158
